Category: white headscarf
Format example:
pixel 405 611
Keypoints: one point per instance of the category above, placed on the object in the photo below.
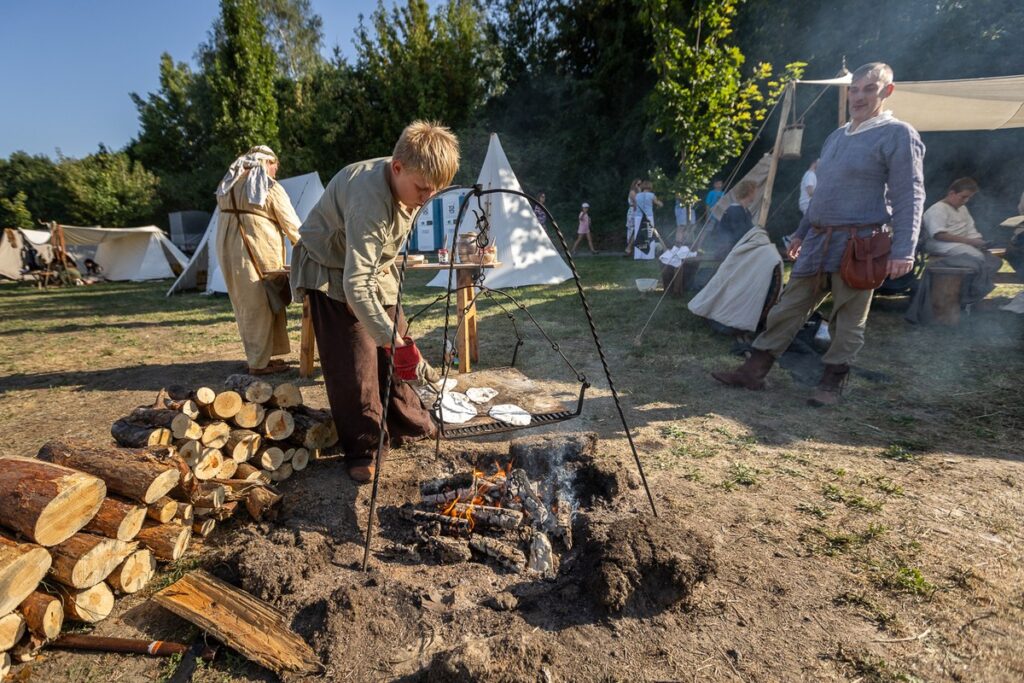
pixel 257 183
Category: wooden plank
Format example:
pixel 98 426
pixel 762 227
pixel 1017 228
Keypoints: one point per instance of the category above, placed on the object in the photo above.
pixel 244 623
pixel 307 342
pixel 466 317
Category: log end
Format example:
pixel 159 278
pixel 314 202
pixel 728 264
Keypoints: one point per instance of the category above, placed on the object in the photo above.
pixel 161 486
pixel 70 510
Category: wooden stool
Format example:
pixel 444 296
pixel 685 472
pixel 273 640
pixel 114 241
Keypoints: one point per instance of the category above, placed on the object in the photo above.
pixel 946 283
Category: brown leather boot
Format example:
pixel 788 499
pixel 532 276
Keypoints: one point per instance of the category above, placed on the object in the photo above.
pixel 751 374
pixel 830 388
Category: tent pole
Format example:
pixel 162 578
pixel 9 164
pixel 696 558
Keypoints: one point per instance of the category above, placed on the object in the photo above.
pixel 842 94
pixel 787 107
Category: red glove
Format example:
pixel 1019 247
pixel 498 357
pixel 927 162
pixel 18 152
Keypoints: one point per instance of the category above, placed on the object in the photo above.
pixel 407 359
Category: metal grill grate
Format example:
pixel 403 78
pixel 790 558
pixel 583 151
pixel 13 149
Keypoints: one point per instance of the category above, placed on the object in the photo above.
pixel 496 427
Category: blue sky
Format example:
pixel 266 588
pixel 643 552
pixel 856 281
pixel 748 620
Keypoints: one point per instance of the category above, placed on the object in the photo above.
pixel 67 66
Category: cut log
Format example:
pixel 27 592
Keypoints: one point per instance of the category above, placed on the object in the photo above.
pixel 12 628
pixel 204 396
pixel 176 392
pixel 288 453
pixel 250 473
pixel 189 450
pixel 186 407
pixel 44 614
pixel 224 406
pixel 84 559
pixel 227 469
pixel 22 567
pixel 504 554
pixel 423 517
pixel 250 388
pixel 89 605
pixel 278 425
pixel 281 473
pixel 208 464
pixel 46 502
pixel 181 425
pixel 243 623
pixel 313 428
pixel 5 665
pixel 140 474
pixel 167 541
pixel 27 650
pixel 300 459
pixel 286 395
pixel 117 519
pixel 204 527
pixel 185 514
pixel 209 495
pixel 133 436
pixel 483 515
pixel 134 572
pixel 260 503
pixel 237 489
pixel 162 511
pixel 270 458
pixel 242 444
pixel 250 416
pixel 216 434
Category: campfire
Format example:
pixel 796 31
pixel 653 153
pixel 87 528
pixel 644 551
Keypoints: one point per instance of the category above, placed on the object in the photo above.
pixel 502 516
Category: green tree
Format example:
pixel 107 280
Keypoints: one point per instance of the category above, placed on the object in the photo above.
pixel 295 32
pixel 108 188
pixel 241 76
pixel 14 213
pixel 702 101
pixel 37 177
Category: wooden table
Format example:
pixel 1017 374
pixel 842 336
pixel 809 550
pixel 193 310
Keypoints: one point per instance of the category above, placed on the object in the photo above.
pixel 466 339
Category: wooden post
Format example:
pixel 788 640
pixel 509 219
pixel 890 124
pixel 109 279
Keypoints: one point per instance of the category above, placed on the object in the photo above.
pixel 466 337
pixel 787 106
pixel 307 342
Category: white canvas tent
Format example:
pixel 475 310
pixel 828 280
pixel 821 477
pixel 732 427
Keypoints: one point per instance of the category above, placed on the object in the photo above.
pixel 10 249
pixel 525 251
pixel 303 190
pixel 134 254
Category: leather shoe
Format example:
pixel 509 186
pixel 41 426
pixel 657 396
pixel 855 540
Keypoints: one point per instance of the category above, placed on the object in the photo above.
pixel 361 474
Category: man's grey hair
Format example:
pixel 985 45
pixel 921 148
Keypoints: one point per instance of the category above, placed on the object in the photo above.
pixel 880 72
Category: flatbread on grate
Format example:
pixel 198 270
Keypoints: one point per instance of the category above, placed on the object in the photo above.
pixel 510 414
pixel 456 408
pixel 481 394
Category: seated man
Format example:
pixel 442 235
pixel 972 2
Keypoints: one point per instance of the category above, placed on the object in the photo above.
pixel 734 224
pixel 951 235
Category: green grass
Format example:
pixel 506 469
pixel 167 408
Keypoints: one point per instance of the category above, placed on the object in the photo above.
pixel 908 580
pixel 739 474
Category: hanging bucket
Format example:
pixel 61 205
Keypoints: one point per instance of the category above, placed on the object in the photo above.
pixel 792 139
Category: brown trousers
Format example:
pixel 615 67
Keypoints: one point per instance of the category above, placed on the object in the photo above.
pixel 355 370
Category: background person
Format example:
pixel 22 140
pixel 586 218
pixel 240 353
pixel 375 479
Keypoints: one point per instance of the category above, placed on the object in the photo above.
pixel 631 222
pixel 807 185
pixel 256 216
pixel 645 243
pixel 584 229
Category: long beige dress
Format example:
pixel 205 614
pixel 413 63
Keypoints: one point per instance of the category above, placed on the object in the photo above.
pixel 263 333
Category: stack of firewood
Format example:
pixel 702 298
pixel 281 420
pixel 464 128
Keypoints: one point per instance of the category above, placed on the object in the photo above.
pixel 84 522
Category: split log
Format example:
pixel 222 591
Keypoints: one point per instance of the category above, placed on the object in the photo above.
pixel 185 514
pixel 237 489
pixel 242 444
pixel 133 436
pixel 227 469
pixel 181 425
pixel 145 475
pixel 250 416
pixel 250 473
pixel 250 388
pixel 278 425
pixel 225 511
pixel 271 458
pixel 189 450
pixel 223 407
pixel 313 428
pixel 243 623
pixel 186 407
pixel 12 628
pixel 502 553
pixel 22 567
pixel 44 614
pixel 281 473
pixel 422 517
pixel 204 527
pixel 167 541
pixel 260 503
pixel 46 502
pixel 483 515
pixel 204 396
pixel 286 395
pixel 134 572
pixel 216 434
pixel 457 481
pixel 208 464
pixel 163 510
pixel 209 495
pixel 5 665
pixel 27 650
pixel 89 605
pixel 300 459
pixel 117 519
pixel 84 559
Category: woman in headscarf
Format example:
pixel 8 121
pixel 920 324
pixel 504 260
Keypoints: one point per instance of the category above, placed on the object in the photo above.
pixel 255 217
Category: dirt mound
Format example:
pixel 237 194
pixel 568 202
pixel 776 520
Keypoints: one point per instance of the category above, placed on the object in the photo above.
pixel 502 659
pixel 641 565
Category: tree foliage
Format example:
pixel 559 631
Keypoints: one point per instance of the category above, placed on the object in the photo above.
pixel 14 212
pixel 107 188
pixel 295 33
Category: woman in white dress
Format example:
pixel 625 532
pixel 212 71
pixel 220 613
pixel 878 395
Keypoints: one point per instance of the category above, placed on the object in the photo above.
pixel 645 202
pixel 634 188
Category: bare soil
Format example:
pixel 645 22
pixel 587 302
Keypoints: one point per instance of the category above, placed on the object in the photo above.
pixel 880 541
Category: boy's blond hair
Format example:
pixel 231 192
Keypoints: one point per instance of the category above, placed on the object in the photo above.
pixel 429 148
pixel 744 189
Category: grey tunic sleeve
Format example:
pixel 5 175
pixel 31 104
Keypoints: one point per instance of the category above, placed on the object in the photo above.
pixel 906 190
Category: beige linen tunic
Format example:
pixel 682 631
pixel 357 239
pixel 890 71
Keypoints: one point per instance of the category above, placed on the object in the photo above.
pixel 263 333
pixel 941 217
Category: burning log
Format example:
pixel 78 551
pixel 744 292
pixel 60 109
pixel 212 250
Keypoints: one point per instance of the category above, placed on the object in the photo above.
pixel 89 605
pixel 216 434
pixel 502 553
pixel 134 572
pixel 250 416
pixel 422 517
pixel 542 559
pixel 242 444
pixel 252 389
pixel 84 560
pixel 436 486
pixel 519 485
pixel 286 395
pixel 12 628
pixel 45 502
pixel 163 510
pixel 117 519
pixel 141 474
pixel 133 436
pixel 499 518
pixel 167 541
pixel 44 614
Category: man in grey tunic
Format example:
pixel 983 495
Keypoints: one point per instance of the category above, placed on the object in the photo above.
pixel 870 174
